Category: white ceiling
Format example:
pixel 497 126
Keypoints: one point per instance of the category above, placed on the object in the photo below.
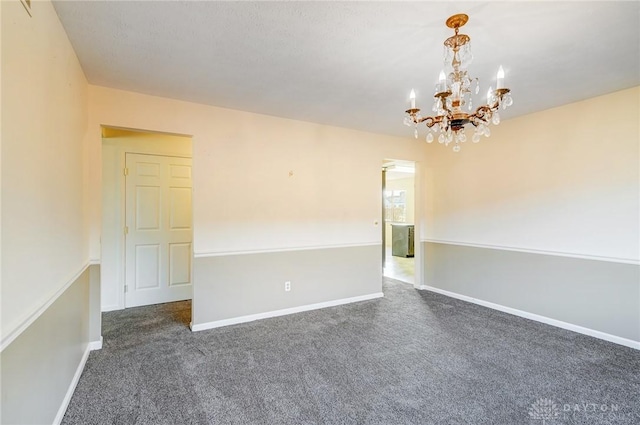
pixel 351 64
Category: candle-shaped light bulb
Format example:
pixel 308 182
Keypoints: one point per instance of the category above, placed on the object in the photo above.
pixel 455 90
pixel 412 96
pixel 442 85
pixel 500 82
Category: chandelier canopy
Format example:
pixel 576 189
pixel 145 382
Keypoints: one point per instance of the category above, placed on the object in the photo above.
pixel 453 94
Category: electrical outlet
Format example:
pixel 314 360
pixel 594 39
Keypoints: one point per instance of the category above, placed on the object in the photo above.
pixel 287 286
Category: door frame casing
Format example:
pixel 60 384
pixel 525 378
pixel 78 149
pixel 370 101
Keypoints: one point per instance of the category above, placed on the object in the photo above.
pixel 419 223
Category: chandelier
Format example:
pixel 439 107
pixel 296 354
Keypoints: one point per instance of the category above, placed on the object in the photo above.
pixel 453 95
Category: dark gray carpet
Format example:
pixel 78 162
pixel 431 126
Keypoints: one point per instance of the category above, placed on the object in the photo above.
pixel 413 357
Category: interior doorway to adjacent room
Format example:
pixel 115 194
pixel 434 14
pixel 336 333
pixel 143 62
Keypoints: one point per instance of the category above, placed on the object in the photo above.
pixel 147 233
pixel 398 232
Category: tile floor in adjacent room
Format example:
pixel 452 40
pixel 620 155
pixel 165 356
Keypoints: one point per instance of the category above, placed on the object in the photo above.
pixel 399 268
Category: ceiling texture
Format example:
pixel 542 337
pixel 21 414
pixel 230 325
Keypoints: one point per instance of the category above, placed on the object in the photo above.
pixel 351 64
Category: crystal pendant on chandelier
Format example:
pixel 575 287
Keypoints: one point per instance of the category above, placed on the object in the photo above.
pixel 508 101
pixel 454 91
pixel 429 137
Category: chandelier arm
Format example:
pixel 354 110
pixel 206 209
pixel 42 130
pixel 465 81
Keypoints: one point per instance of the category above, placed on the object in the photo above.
pixel 500 93
pixel 429 121
pixel 499 96
pixel 481 112
pixel 475 121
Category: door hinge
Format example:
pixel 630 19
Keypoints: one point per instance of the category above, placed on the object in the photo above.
pixel 126 288
pixel 126 230
pixel 125 171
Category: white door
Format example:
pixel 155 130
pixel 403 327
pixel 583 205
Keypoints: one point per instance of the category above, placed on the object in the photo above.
pixel 158 230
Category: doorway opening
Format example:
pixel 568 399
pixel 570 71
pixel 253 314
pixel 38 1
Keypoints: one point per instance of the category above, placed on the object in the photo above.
pixel 146 240
pixel 398 232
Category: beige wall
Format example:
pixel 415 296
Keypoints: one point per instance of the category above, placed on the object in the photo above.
pixel 506 217
pixel 261 183
pixel 44 114
pixel 564 180
pixel 50 304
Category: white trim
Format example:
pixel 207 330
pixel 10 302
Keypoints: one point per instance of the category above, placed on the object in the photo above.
pixel 72 387
pixel 94 262
pixel 33 316
pixel 283 312
pixel 112 307
pixel 538 318
pixel 96 345
pixel 419 223
pixel 283 249
pixel 538 251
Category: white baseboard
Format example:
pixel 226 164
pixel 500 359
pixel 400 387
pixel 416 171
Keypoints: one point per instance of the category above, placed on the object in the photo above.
pixel 283 312
pixel 113 307
pixel 553 322
pixel 72 387
pixel 95 345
